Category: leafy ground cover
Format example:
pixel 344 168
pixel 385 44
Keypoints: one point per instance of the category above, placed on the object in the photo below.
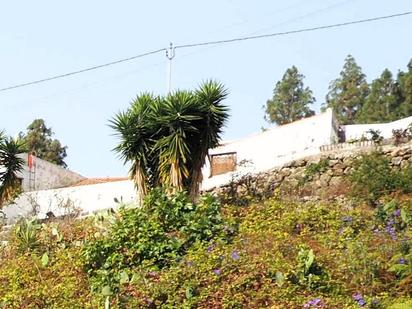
pixel 173 253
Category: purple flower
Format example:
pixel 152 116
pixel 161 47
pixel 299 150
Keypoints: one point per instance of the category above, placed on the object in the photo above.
pixel 189 263
pixel 314 303
pixel 210 249
pixel 359 299
pixel 217 272
pixel 235 255
pixel 402 261
pixel 397 213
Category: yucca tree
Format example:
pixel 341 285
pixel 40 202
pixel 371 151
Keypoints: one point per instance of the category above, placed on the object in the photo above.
pixel 167 138
pixel 137 132
pixel 177 119
pixel 10 166
pixel 209 97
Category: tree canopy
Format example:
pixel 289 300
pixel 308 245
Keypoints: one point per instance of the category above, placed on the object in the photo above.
pixel 383 102
pixel 39 140
pixel 166 138
pixel 291 100
pixel 347 94
pixel 405 86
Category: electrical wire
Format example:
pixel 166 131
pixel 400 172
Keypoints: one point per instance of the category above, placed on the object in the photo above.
pixel 83 70
pixel 354 22
pixel 210 43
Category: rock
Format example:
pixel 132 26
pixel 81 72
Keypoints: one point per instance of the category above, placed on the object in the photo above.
pixel 338 172
pixel 324 180
pixel 333 162
pixel 396 160
pixel 335 181
pixel 286 171
pixel 405 163
pixel 339 166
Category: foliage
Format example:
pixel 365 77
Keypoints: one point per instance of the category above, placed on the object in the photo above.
pixel 308 273
pixel 282 255
pixel 347 94
pixel 26 235
pixel 12 164
pixel 313 169
pixel 382 103
pixel 291 100
pixel 156 235
pixel 39 140
pixel 50 274
pixel 167 138
pixel 401 136
pixel 404 80
pixel 375 136
pixel 372 177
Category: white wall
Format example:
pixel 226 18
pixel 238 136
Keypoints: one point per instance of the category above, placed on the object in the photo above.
pixel 355 131
pixel 276 146
pixel 87 198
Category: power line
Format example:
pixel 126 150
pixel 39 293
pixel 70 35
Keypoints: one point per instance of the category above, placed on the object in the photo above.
pixel 209 43
pixel 83 70
pixel 293 31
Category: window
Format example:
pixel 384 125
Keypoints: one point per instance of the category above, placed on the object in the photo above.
pixel 222 163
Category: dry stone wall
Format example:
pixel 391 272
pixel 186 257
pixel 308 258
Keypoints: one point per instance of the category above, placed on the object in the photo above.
pixel 312 175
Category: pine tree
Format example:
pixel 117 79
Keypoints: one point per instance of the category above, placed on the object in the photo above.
pixel 405 85
pixel 347 93
pixel 382 103
pixel 291 100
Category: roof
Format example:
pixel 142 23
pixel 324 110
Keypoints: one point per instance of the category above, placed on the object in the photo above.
pixel 94 181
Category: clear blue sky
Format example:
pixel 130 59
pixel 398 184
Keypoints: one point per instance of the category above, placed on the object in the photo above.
pixel 45 38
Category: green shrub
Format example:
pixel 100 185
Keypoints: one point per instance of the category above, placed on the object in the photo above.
pixel 372 177
pixel 153 236
pixel 316 168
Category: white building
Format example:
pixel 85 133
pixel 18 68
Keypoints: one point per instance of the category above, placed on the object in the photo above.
pixel 273 147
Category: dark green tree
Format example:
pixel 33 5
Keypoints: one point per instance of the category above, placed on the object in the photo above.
pixel 405 84
pixel 39 140
pixel 348 93
pixel 291 100
pixel 383 101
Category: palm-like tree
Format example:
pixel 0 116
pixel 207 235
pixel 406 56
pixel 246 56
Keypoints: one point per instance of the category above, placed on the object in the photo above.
pixel 136 131
pixel 11 165
pixel 209 96
pixel 167 138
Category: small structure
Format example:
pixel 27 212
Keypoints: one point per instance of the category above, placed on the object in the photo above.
pixel 39 174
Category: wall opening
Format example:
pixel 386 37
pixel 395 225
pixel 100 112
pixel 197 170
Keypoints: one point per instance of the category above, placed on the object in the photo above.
pixel 222 163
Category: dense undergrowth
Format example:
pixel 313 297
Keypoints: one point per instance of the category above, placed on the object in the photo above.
pixel 173 253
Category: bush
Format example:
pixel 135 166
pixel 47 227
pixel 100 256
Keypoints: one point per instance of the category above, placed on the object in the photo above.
pixel 153 236
pixel 372 178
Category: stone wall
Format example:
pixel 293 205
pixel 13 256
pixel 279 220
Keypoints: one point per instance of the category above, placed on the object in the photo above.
pixel 311 175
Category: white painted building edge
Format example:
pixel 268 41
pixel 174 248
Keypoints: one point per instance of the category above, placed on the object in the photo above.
pixel 87 198
pixel 356 131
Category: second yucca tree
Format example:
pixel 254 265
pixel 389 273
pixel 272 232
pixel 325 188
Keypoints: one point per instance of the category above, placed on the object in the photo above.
pixel 10 166
pixel 167 138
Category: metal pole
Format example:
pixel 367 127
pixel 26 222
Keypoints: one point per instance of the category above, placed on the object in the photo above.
pixel 170 54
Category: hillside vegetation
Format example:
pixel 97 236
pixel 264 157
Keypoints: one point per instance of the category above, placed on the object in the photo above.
pixel 280 252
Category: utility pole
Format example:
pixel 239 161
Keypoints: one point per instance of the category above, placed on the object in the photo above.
pixel 170 54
